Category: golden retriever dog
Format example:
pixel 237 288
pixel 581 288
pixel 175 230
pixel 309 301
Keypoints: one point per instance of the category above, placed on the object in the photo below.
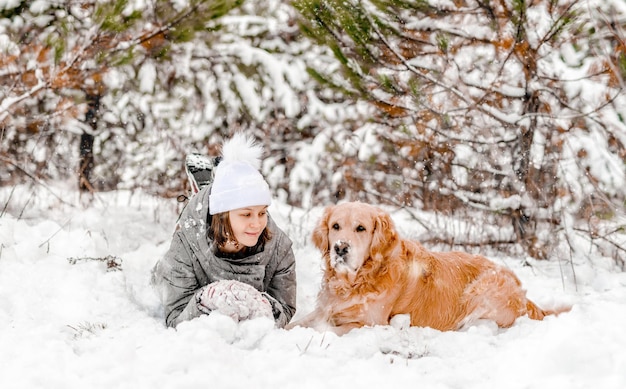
pixel 372 274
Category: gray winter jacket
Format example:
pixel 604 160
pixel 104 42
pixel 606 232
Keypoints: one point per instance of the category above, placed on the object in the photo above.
pixel 191 263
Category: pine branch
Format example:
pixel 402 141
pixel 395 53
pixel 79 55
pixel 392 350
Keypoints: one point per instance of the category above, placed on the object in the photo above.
pixel 9 102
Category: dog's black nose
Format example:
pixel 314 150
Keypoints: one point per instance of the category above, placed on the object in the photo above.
pixel 341 248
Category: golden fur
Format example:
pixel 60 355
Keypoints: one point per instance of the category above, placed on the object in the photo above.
pixel 372 274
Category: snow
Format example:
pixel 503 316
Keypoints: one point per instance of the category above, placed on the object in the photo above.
pixel 9 4
pixel 77 311
pixel 147 76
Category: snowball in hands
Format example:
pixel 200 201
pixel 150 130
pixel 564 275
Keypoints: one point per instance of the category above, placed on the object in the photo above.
pixel 235 299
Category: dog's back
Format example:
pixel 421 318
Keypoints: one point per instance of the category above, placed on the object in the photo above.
pixel 435 286
pixel 455 289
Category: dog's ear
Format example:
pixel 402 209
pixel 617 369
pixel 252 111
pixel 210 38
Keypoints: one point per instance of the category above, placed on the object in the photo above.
pixel 385 235
pixel 320 233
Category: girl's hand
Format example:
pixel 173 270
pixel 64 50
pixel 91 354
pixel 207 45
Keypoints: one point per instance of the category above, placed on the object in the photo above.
pixel 236 299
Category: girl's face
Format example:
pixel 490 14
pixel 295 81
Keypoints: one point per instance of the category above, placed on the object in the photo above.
pixel 248 223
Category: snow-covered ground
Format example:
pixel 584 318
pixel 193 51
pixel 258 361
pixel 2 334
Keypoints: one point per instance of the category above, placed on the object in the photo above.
pixel 70 320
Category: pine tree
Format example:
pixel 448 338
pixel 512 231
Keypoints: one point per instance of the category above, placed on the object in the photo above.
pixel 484 107
pixel 169 79
pixel 61 60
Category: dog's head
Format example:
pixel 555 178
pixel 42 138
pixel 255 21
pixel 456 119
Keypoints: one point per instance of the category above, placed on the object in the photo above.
pixel 350 234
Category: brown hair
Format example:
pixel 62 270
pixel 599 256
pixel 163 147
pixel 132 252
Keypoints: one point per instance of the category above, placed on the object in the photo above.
pixel 221 232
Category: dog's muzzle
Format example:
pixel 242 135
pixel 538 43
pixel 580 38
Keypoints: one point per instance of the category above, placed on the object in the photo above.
pixel 341 257
pixel 341 249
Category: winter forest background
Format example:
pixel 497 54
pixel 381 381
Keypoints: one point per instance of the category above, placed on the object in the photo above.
pixel 508 114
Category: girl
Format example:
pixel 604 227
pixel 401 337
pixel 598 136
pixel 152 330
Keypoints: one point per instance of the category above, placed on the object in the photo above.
pixel 227 254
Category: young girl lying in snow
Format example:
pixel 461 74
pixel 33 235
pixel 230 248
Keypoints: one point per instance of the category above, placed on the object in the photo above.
pixel 227 254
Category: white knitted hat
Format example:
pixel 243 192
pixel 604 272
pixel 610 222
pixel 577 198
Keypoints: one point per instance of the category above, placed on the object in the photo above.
pixel 238 182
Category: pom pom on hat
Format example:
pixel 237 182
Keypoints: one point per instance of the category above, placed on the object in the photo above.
pixel 238 182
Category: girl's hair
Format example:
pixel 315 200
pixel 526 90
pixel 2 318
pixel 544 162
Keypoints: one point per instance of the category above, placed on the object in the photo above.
pixel 221 232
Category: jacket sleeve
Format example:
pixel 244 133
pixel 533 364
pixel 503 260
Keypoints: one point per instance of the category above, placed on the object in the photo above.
pixel 282 287
pixel 176 283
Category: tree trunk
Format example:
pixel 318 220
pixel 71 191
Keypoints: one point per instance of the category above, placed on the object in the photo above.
pixel 86 161
pixel 521 218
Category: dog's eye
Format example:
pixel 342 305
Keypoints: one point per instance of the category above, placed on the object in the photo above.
pixel 360 229
pixel 336 226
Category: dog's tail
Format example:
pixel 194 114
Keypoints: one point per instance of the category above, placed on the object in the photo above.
pixel 536 313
